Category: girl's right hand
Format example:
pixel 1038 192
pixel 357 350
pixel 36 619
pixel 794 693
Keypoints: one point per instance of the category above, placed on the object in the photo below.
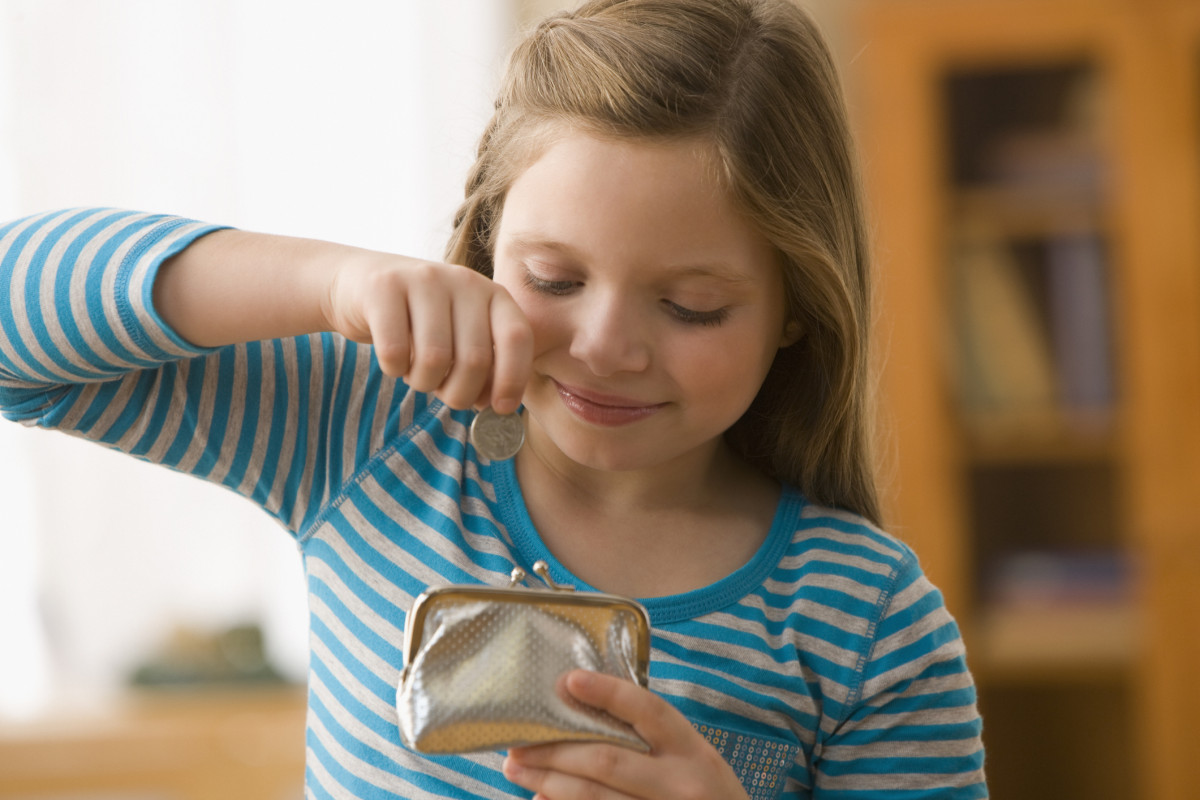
pixel 444 329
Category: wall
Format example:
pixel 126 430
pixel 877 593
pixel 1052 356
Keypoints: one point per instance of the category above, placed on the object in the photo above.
pixel 356 126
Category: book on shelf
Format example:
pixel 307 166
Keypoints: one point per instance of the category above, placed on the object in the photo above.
pixel 1078 291
pixel 1063 163
pixel 1041 578
pixel 1005 362
pixel 1055 610
pixel 1033 344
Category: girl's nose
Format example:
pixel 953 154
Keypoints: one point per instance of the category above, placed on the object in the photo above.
pixel 610 336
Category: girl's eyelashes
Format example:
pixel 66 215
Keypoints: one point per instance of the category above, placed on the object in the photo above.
pixel 682 313
pixel 544 286
pixel 692 317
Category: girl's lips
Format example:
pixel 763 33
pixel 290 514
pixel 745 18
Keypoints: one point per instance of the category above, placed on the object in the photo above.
pixel 604 409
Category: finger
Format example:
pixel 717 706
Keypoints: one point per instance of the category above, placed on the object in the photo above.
pixel 554 785
pixel 389 335
pixel 621 771
pixel 654 719
pixel 432 332
pixel 473 356
pixel 513 339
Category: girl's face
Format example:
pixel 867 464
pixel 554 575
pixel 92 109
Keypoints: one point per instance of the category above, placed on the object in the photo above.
pixel 656 307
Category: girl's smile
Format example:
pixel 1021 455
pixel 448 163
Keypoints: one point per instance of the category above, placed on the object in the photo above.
pixel 603 409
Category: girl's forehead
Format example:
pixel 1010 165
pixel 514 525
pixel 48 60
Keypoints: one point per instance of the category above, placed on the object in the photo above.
pixel 657 198
pixel 581 165
pixel 593 200
pixel 572 139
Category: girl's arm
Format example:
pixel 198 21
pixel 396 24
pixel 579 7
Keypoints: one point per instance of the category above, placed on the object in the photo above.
pixel 85 349
pixel 445 330
pixel 912 722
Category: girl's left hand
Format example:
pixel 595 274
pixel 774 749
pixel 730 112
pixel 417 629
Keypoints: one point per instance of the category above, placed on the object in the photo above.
pixel 681 763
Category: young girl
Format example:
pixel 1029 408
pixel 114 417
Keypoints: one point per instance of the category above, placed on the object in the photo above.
pixel 667 274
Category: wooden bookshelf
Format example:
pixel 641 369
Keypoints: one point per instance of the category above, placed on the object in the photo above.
pixel 1034 171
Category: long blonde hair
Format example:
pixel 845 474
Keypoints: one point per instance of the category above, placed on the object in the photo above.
pixel 755 79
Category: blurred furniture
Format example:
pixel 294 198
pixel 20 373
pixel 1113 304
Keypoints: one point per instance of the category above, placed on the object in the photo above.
pixel 237 744
pixel 1034 173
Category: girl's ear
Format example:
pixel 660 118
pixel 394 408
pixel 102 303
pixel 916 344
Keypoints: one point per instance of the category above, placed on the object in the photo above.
pixel 793 332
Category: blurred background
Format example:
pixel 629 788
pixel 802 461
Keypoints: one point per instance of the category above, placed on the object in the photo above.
pixel 1033 170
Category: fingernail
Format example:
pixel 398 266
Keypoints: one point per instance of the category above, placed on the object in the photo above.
pixel 581 679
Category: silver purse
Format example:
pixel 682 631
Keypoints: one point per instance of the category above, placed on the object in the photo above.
pixel 484 665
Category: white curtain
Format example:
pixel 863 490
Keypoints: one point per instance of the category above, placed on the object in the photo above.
pixel 353 121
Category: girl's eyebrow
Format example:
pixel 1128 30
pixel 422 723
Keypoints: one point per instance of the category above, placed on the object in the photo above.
pixel 525 241
pixel 719 270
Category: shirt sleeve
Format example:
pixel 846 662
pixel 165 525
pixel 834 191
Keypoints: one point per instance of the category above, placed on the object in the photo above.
pixel 82 350
pixel 912 728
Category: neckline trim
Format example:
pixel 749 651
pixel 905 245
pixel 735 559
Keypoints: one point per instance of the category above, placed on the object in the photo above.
pixel 513 512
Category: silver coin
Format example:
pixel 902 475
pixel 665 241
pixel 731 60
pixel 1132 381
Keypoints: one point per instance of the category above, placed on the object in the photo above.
pixel 497 436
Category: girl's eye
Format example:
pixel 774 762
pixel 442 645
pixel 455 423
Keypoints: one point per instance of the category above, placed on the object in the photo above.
pixel 682 313
pixel 691 317
pixel 544 286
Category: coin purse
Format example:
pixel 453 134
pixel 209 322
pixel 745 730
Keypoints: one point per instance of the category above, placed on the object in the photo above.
pixel 484 665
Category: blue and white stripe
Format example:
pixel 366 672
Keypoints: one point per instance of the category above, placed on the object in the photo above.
pixel 826 667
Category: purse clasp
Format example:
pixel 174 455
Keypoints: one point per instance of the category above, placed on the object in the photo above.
pixel 518 575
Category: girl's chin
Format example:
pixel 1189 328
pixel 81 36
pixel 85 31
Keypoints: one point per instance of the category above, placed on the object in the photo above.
pixel 596 449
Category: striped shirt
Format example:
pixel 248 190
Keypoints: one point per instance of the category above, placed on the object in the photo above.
pixel 827 666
